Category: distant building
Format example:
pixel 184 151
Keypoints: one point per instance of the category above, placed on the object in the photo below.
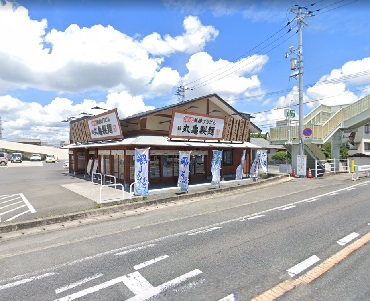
pixel 358 141
pixel 29 141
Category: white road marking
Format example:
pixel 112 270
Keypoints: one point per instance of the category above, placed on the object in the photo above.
pixel 149 262
pixel 163 238
pixel 288 207
pixel 78 283
pixel 228 298
pixel 23 281
pixel 12 210
pixel 165 286
pixel 9 205
pixel 205 230
pixel 312 200
pixel 345 240
pixel 10 200
pixel 32 210
pixel 15 216
pixel 135 249
pixel 256 216
pixel 303 265
pixel 136 283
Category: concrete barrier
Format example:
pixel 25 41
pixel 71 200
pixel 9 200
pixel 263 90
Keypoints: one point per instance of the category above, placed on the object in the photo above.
pixel 360 169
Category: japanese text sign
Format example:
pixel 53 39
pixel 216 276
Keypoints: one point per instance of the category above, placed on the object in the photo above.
pixel 105 126
pixel 196 126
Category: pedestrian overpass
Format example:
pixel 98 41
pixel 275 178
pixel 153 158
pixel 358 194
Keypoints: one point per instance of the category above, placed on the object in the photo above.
pixel 327 124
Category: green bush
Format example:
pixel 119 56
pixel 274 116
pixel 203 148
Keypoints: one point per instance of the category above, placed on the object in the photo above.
pixel 281 156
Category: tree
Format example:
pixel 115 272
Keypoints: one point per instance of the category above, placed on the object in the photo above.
pixel 283 156
pixel 326 149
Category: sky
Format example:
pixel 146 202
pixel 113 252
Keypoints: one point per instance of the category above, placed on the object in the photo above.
pixel 58 59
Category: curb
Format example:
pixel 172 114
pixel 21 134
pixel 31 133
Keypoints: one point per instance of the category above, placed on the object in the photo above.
pixel 132 206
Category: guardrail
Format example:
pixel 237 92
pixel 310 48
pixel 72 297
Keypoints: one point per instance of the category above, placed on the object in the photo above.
pixel 358 169
pixel 111 185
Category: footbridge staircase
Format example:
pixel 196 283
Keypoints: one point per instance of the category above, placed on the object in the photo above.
pixel 327 124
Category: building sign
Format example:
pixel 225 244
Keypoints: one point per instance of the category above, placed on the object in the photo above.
pixel 228 128
pixel 105 126
pixel 196 126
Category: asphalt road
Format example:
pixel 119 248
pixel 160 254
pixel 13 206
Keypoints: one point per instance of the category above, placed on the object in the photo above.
pixel 33 189
pixel 229 247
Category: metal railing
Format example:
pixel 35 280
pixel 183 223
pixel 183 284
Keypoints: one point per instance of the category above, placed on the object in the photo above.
pixel 98 175
pixel 332 166
pixel 315 112
pixel 111 185
pixel 356 108
pixel 112 177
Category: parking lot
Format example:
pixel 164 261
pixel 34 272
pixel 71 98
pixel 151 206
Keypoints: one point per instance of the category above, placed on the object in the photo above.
pixel 33 189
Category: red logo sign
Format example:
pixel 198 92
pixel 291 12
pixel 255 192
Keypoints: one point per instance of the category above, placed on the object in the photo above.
pixel 188 119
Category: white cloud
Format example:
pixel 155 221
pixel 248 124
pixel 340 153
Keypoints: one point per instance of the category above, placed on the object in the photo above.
pixel 127 104
pixel 32 120
pixel 80 59
pixel 164 80
pixel 227 79
pixel 193 40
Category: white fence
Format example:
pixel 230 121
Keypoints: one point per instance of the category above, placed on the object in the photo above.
pixel 331 166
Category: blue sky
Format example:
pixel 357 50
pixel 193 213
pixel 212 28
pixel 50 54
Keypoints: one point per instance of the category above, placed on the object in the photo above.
pixel 60 58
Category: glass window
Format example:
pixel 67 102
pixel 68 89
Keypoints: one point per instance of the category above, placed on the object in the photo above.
pixel 367 146
pixel 167 165
pixel 154 171
pixel 227 157
pixel 196 165
pixel 367 128
pixel 132 167
pixel 107 165
pixel 80 161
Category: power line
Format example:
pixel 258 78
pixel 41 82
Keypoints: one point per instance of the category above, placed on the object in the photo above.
pixel 241 56
pixel 217 78
pixel 328 81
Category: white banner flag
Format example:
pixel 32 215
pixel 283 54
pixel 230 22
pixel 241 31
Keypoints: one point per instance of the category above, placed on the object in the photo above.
pixel 141 171
pixel 216 167
pixel 183 181
pixel 239 170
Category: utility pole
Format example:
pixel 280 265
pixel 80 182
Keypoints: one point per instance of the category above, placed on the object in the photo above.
pixel 181 92
pixel 301 13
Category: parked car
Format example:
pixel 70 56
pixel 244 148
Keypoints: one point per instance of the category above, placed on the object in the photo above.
pixel 16 159
pixel 51 159
pixel 66 165
pixel 3 158
pixel 35 157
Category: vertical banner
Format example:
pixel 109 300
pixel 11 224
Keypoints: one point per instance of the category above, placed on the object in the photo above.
pixel 263 160
pixel 102 165
pixel 216 167
pixel 301 165
pixel 261 157
pixel 183 181
pixel 239 170
pixel 89 166
pixel 141 171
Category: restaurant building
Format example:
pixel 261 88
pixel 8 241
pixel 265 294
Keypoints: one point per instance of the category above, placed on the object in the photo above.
pixel 106 144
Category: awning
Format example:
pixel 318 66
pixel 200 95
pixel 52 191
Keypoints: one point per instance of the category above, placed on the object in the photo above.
pixel 152 140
